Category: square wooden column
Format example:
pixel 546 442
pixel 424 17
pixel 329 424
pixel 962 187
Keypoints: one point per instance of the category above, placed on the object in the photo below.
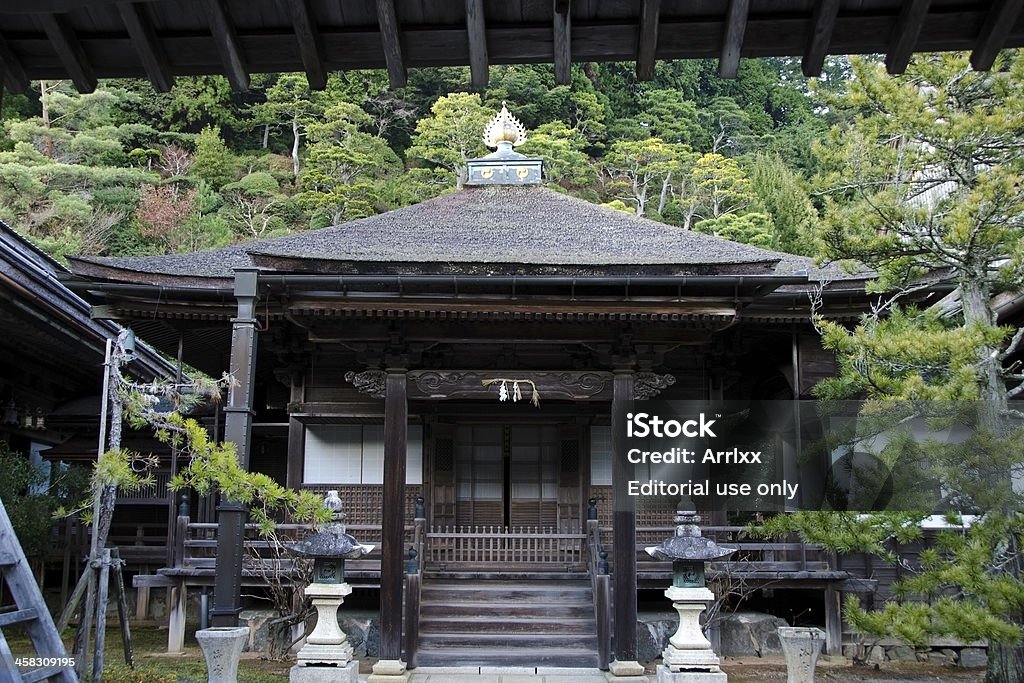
pixel 392 567
pixel 237 430
pixel 623 523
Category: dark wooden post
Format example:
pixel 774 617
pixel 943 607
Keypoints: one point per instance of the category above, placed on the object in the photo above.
pixel 392 563
pixel 624 522
pixel 237 430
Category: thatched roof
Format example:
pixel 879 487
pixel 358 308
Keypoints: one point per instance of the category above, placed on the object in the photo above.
pixel 504 230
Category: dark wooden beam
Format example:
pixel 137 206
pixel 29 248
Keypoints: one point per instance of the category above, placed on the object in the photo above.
pixel 12 73
pixel 69 50
pixel 904 35
pixel 732 41
pixel 238 414
pixel 392 566
pixel 823 21
pixel 623 523
pixel 228 46
pixel 647 41
pixel 147 45
pixel 476 33
pixel 54 6
pixel 389 39
pixel 563 41
pixel 1000 19
pixel 310 43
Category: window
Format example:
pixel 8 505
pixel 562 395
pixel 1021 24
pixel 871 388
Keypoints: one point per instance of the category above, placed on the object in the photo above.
pixel 354 454
pixel 601 456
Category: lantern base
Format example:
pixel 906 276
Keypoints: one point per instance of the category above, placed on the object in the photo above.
pixel 324 674
pixel 666 675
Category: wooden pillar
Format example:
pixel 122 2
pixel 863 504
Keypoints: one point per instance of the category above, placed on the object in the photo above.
pixel 237 430
pixel 176 618
pixel 833 622
pixel 296 453
pixel 624 523
pixel 392 574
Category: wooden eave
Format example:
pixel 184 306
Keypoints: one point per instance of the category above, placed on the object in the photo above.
pixel 161 39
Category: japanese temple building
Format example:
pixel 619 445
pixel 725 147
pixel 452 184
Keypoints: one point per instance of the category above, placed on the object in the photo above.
pixel 371 356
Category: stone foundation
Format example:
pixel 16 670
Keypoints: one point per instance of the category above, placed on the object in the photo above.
pixel 973 656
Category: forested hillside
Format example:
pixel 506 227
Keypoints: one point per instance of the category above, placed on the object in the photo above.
pixel 127 170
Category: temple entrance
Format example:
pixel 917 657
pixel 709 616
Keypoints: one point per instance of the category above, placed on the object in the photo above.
pixel 505 494
pixel 506 476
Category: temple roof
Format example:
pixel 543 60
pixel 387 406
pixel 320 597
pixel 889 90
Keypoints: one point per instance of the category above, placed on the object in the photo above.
pixel 494 230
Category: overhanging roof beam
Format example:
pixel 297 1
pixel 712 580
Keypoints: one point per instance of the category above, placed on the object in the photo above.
pixel 146 43
pixel 563 41
pixel 905 34
pixel 476 32
pixel 390 42
pixel 69 50
pixel 647 40
pixel 228 46
pixel 12 72
pixel 732 40
pixel 1000 20
pixel 310 42
pixel 823 21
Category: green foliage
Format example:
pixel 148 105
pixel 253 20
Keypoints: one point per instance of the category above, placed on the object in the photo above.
pixel 358 148
pixel 921 177
pixel 784 196
pixel 910 355
pixel 561 148
pixel 453 133
pixel 750 228
pixel 213 162
pixel 31 495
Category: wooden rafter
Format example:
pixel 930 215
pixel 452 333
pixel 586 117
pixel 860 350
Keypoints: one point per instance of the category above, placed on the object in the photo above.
pixel 228 46
pixel 1000 19
pixel 563 41
pixel 69 50
pixel 732 41
pixel 389 39
pixel 310 43
pixel 647 40
pixel 12 72
pixel 146 43
pixel 905 34
pixel 823 21
pixel 476 32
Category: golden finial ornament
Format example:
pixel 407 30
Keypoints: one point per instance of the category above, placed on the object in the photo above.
pixel 504 128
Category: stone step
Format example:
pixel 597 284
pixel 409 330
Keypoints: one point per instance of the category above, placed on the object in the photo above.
pixel 487 624
pixel 505 609
pixel 490 656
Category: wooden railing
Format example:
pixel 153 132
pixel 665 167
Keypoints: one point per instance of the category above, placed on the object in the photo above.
pixel 195 550
pixel 155 492
pixel 493 546
pixel 600 584
pixel 752 555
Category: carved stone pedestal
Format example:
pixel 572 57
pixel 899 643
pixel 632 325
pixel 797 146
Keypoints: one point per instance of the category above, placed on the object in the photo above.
pixel 801 646
pixel 222 648
pixel 688 658
pixel 325 674
pixel 625 672
pixel 389 671
pixel 327 644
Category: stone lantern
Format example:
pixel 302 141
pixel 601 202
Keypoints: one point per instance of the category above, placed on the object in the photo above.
pixel 327 654
pixel 688 657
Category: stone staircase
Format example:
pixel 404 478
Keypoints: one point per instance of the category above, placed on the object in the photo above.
pixel 502 622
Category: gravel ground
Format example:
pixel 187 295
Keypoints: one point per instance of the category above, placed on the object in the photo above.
pixel 773 670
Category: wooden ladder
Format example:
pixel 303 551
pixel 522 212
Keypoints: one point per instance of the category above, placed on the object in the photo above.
pixel 31 611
